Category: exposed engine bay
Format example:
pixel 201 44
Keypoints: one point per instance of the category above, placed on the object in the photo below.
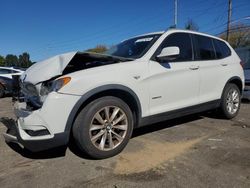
pixel 35 87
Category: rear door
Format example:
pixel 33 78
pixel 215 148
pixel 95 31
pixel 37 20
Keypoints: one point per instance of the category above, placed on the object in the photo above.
pixel 213 66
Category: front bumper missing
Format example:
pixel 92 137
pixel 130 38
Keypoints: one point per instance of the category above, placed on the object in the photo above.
pixel 44 128
pixel 13 136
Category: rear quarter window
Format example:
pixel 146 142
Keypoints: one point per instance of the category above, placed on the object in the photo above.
pixel 221 49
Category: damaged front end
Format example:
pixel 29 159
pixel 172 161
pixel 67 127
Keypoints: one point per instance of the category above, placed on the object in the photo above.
pixel 41 110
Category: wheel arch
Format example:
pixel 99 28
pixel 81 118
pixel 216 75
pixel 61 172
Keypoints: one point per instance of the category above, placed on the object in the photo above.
pixel 237 81
pixel 124 93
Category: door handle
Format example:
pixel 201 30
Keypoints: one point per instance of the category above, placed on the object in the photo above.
pixel 194 67
pixel 223 64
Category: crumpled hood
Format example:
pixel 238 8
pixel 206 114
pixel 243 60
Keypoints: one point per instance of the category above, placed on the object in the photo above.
pixel 47 69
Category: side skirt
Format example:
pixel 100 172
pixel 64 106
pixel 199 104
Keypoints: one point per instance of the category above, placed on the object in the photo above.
pixel 179 113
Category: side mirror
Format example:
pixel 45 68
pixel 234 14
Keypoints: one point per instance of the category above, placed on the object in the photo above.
pixel 169 53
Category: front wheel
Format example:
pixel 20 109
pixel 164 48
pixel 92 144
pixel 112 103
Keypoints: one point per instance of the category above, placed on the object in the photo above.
pixel 103 128
pixel 231 101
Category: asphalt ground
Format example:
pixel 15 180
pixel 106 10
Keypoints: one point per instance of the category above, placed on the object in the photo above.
pixel 194 151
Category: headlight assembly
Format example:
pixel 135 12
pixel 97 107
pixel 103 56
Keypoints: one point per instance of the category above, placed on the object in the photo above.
pixel 59 83
pixel 55 85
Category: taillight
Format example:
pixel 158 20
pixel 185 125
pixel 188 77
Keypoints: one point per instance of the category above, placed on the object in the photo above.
pixel 241 63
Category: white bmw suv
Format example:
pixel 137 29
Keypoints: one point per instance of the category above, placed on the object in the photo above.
pixel 98 99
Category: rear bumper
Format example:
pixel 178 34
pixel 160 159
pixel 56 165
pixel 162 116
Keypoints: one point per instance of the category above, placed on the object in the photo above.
pixel 13 135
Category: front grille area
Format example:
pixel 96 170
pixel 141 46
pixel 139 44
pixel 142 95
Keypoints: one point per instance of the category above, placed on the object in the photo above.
pixel 26 92
pixel 31 96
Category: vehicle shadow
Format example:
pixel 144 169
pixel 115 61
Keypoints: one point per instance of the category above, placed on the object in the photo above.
pixel 61 151
pixel 53 153
pixel 146 130
pixel 245 101
pixel 48 154
pixel 166 124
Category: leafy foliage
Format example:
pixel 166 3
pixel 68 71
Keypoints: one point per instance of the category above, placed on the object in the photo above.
pixel 191 25
pixel 98 49
pixel 13 61
pixel 239 35
pixel 2 63
pixel 24 60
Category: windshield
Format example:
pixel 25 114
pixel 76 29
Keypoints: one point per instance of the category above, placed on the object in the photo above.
pixel 244 55
pixel 133 48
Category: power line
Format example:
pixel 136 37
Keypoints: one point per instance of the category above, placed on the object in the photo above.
pixel 100 37
pixel 95 35
pixel 224 24
pixel 232 30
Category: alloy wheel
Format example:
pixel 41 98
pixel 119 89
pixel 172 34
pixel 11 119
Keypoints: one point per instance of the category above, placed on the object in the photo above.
pixel 233 101
pixel 108 128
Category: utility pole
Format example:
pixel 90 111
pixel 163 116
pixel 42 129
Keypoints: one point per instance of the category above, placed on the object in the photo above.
pixel 229 18
pixel 175 12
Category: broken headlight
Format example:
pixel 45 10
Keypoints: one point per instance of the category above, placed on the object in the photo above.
pixel 55 85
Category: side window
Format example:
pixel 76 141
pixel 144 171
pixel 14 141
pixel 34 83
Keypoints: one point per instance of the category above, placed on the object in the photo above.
pixel 204 48
pixel 5 71
pixel 221 49
pixel 181 40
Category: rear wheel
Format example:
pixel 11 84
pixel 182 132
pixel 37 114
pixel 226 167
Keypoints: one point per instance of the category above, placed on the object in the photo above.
pixel 231 101
pixel 1 91
pixel 103 128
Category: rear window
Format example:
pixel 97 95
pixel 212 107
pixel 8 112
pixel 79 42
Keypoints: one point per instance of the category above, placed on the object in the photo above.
pixel 204 48
pixel 221 49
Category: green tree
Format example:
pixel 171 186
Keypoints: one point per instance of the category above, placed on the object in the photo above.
pixel 98 49
pixel 11 60
pixel 24 60
pixel 239 35
pixel 191 25
pixel 2 61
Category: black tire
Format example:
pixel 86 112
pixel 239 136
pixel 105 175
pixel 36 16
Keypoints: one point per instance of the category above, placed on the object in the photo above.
pixel 225 112
pixel 1 91
pixel 84 121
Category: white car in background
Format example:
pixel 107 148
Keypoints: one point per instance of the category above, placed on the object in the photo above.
pixel 7 72
pixel 98 99
pixel 244 54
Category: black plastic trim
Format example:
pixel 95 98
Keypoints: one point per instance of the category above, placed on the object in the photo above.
pixel 179 113
pixel 97 90
pixel 230 80
pixel 60 139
